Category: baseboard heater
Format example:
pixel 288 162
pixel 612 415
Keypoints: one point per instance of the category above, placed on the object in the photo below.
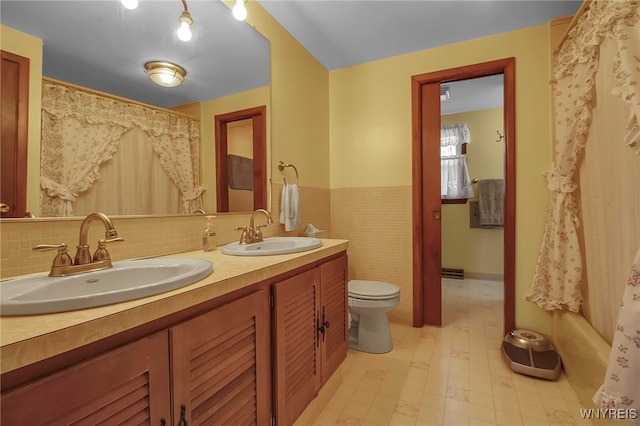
pixel 457 274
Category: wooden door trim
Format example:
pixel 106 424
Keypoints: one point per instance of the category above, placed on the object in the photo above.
pixel 501 66
pixel 19 203
pixel 259 121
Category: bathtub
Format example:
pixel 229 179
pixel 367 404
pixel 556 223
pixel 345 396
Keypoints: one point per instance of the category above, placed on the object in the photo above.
pixel 584 354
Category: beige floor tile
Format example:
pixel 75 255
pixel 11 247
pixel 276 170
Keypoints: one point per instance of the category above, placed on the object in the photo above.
pixel 453 375
pixel 378 416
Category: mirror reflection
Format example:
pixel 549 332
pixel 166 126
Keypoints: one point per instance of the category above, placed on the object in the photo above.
pixel 101 46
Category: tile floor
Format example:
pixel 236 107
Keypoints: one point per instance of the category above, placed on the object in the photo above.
pixel 453 375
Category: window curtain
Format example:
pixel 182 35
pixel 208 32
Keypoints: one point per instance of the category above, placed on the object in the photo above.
pixel 81 130
pixel 559 271
pixel 454 173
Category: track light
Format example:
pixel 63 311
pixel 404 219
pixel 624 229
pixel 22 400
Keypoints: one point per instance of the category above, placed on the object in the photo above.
pixel 184 32
pixel 129 4
pixel 239 10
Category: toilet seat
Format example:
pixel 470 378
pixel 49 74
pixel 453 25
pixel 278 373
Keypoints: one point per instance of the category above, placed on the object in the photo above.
pixel 372 290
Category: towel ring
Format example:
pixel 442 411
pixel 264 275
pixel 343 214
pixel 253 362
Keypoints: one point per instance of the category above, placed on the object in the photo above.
pixel 281 167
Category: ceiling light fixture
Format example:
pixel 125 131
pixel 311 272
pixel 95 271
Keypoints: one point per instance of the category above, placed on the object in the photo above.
pixel 239 10
pixel 445 94
pixel 184 32
pixel 129 4
pixel 164 73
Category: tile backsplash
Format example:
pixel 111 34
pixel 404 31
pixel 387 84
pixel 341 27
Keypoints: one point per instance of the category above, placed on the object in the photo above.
pixel 144 236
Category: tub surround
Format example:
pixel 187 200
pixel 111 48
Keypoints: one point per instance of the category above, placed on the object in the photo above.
pixel 584 353
pixel 29 339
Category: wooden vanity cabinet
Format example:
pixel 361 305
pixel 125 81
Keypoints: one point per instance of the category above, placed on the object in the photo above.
pixel 214 369
pixel 128 385
pixel 310 334
pixel 221 365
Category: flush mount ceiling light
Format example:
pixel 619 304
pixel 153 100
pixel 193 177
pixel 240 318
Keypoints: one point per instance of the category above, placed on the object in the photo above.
pixel 165 74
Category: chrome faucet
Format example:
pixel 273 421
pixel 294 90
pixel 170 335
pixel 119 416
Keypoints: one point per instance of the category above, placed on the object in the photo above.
pixel 63 264
pixel 253 234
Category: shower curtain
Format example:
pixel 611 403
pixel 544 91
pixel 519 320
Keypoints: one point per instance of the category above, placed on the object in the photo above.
pixel 82 129
pixel 593 222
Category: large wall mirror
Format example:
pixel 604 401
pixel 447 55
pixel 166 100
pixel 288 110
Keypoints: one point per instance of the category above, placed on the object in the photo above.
pixel 102 46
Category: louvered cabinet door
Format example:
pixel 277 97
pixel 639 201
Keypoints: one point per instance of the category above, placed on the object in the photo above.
pixel 333 280
pixel 296 344
pixel 221 365
pixel 129 385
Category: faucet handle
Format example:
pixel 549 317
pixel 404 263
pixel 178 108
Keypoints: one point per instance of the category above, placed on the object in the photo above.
pixel 244 236
pixel 111 240
pixel 257 233
pixel 101 252
pixel 62 258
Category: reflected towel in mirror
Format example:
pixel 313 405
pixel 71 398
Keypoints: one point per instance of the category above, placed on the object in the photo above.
pixel 240 172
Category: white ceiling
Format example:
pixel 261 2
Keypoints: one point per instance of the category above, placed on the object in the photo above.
pixel 99 44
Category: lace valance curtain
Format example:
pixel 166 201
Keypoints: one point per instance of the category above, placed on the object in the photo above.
pixel 82 130
pixel 558 278
pixel 454 173
pixel 454 134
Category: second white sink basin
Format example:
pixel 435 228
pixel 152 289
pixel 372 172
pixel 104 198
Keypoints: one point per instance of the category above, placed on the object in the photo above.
pixel 272 245
pixel 127 280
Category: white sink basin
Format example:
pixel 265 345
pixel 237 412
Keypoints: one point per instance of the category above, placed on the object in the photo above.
pixel 272 245
pixel 127 280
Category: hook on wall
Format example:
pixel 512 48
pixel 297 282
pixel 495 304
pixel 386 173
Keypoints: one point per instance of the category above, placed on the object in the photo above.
pixel 500 136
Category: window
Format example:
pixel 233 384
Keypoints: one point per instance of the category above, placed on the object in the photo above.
pixel 454 174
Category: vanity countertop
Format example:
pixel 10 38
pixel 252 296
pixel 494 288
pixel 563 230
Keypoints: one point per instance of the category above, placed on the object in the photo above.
pixel 28 339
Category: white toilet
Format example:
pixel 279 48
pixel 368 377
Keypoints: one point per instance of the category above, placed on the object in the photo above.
pixel 369 302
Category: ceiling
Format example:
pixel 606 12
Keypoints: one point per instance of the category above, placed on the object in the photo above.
pixel 101 45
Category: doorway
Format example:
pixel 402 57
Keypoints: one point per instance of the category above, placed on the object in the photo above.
pixel 427 233
pixel 241 167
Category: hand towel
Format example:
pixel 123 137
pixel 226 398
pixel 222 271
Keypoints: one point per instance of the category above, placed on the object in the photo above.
pixel 290 207
pixel 240 172
pixel 490 202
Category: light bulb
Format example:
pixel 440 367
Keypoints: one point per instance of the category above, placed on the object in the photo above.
pixel 184 32
pixel 239 11
pixel 129 4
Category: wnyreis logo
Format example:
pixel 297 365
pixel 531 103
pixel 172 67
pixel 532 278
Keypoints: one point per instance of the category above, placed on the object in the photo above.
pixel 609 413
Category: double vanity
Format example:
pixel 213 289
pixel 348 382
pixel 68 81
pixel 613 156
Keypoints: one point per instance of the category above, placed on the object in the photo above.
pixel 250 342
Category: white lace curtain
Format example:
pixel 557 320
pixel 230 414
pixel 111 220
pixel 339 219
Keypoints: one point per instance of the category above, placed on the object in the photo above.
pixel 454 173
pixel 82 130
pixel 559 272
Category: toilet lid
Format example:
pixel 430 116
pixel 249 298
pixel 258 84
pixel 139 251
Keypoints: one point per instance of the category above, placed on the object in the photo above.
pixel 362 289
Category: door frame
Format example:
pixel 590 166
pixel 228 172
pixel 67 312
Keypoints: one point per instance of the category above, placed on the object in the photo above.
pixel 427 299
pixel 259 122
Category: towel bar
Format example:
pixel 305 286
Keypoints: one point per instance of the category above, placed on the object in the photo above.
pixel 281 167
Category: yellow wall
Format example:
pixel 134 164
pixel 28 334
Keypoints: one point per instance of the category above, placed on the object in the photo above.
pixel 370 116
pixel 299 104
pixel 477 251
pixel 30 47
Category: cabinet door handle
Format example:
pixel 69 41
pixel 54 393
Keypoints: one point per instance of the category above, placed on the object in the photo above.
pixel 183 416
pixel 325 323
pixel 163 422
pixel 4 208
pixel 319 329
